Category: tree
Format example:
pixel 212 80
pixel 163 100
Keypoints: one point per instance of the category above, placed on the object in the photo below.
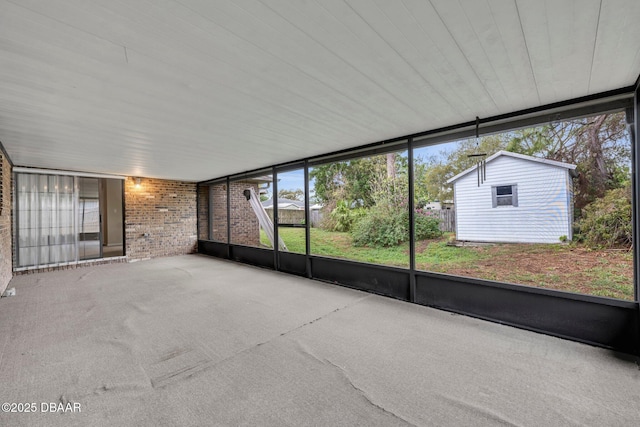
pixel 431 174
pixel 391 165
pixel 598 146
pixel 296 194
pixel 352 180
pixel 328 179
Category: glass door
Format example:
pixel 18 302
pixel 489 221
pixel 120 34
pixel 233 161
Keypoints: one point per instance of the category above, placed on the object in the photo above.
pixel 44 219
pixel 89 226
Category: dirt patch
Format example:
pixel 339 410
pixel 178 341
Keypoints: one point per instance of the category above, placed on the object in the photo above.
pixel 568 268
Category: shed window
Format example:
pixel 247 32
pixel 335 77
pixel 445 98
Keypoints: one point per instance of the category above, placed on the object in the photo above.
pixel 505 195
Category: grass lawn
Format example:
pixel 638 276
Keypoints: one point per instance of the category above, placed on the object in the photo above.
pixel 564 267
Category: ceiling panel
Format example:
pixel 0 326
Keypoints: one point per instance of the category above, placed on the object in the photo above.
pixel 618 32
pixel 195 89
pixel 560 38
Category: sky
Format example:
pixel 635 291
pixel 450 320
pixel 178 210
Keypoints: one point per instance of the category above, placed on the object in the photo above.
pixel 293 180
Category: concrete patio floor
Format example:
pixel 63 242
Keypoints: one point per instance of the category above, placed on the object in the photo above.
pixel 194 341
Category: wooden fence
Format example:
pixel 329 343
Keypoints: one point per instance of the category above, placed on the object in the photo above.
pixel 316 217
pixel 447 219
pixel 286 216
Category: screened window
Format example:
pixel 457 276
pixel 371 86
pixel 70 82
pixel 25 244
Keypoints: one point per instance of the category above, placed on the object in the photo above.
pixel 553 207
pixel 291 212
pixel 249 222
pixel 362 209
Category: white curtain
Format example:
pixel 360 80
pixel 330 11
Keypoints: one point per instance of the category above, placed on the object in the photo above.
pixel 45 210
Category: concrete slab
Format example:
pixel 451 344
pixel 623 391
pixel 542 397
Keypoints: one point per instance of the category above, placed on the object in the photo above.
pixel 193 340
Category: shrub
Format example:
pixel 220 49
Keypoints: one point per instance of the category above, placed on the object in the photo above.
pixel 384 226
pixel 342 217
pixel 427 225
pixel 381 227
pixel 606 222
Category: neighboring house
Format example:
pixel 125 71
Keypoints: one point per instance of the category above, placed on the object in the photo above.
pixel 292 211
pixel 523 199
pixel 447 204
pixel 433 206
pixel 288 204
pixel 284 204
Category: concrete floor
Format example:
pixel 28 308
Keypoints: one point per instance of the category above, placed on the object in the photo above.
pixel 195 341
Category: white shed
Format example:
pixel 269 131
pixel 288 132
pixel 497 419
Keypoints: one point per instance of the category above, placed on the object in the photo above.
pixel 523 199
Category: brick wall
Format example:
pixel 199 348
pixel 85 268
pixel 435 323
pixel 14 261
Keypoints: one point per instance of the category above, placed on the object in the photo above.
pixel 166 211
pixel 219 206
pixel 5 223
pixel 245 228
pixel 203 212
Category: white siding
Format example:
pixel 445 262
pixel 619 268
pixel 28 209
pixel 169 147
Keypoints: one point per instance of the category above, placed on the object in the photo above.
pixel 542 214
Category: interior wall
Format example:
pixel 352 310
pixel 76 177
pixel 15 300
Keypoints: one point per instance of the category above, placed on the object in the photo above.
pixel 5 223
pixel 160 218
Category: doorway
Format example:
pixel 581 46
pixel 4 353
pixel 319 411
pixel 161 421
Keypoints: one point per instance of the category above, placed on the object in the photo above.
pixel 112 232
pixel 62 219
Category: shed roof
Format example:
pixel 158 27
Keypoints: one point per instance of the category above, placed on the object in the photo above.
pixel 516 156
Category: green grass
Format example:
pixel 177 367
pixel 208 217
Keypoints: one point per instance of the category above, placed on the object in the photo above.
pixel 338 245
pixel 603 277
pixel 438 255
pixel 607 282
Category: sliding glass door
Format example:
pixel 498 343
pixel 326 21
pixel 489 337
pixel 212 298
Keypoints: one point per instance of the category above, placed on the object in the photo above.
pixel 46 232
pixel 89 220
pixel 59 219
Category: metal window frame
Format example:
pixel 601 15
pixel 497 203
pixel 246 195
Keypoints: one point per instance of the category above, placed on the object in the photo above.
pixel 600 321
pixel 76 176
pixel 210 209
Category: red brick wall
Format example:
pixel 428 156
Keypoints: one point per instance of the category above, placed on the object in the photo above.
pixel 203 212
pixel 5 223
pixel 166 211
pixel 245 228
pixel 219 206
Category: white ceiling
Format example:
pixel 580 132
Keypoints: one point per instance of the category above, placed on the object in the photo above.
pixel 196 89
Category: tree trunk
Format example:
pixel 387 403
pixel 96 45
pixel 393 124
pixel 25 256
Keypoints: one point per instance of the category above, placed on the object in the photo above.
pixel 600 173
pixel 391 165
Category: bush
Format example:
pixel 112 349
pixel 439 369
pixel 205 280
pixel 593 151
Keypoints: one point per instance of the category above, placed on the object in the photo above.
pixel 381 226
pixel 606 222
pixel 384 226
pixel 342 217
pixel 427 225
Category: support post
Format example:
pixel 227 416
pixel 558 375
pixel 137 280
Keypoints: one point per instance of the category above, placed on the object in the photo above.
pixel 635 182
pixel 307 221
pixel 198 202
pixel 228 218
pixel 276 237
pixel 412 226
